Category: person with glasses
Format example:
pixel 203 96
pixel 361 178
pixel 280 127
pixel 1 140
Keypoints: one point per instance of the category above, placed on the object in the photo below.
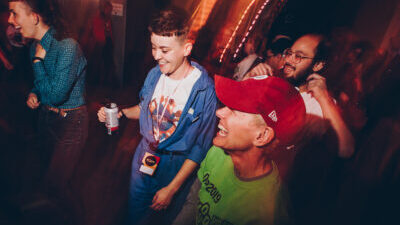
pixel 303 64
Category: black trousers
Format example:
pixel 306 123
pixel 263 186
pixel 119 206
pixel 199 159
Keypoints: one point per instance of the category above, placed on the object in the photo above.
pixel 62 139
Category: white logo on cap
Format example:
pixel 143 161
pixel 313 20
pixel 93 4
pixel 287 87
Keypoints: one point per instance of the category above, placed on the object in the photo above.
pixel 273 116
pixel 261 77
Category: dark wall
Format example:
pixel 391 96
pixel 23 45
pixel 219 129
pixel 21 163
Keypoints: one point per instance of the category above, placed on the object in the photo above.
pixel 306 16
pixel 138 59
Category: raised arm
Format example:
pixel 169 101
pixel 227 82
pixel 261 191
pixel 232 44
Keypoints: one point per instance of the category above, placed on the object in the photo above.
pixel 317 86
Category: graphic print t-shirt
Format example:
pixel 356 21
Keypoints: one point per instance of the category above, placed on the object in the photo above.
pixel 168 101
pixel 227 200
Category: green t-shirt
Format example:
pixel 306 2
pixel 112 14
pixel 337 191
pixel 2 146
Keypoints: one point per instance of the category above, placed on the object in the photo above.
pixel 225 199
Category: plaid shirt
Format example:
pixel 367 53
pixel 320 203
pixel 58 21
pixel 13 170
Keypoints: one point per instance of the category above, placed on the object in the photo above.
pixel 60 78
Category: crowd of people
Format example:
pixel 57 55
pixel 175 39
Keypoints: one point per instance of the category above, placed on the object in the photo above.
pixel 304 132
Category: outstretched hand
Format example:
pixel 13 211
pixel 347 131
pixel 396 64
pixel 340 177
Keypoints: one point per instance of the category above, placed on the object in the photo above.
pixel 162 199
pixel 260 69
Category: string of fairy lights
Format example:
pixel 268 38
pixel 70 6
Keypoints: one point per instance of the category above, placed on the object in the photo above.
pixel 234 32
pixel 261 9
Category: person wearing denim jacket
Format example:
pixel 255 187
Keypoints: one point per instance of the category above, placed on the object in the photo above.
pixel 191 140
pixel 177 121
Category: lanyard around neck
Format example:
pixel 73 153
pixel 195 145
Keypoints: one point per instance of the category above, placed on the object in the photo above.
pixel 158 116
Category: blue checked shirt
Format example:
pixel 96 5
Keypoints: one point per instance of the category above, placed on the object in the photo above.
pixel 60 78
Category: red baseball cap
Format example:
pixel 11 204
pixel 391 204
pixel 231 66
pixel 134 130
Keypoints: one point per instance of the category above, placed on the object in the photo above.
pixel 276 100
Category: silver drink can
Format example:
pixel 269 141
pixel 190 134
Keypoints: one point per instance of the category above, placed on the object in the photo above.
pixel 111 111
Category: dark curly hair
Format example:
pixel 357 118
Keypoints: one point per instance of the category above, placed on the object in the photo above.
pixel 49 11
pixel 170 22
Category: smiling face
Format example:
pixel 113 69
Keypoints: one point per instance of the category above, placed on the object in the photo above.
pixel 297 72
pixel 237 130
pixel 23 19
pixel 170 53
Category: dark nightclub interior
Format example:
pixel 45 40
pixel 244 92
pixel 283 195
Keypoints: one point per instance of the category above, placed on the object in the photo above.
pixel 362 76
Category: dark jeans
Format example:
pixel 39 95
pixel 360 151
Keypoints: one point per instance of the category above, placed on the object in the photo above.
pixel 143 188
pixel 62 139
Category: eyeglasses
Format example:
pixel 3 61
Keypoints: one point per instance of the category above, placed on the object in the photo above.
pixel 297 56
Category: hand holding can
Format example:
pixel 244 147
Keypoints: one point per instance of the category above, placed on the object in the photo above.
pixel 112 123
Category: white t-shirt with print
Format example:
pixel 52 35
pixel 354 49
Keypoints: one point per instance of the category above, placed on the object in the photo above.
pixel 312 105
pixel 173 95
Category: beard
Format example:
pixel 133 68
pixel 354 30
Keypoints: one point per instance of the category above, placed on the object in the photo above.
pixel 299 79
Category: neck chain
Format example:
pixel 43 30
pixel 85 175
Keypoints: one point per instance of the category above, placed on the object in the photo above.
pixel 159 117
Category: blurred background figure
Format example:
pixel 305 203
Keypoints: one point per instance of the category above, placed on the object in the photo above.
pixel 274 52
pixel 273 56
pixel 97 43
pixel 244 66
pixel 5 62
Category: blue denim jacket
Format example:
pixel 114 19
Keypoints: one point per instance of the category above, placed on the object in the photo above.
pixel 196 127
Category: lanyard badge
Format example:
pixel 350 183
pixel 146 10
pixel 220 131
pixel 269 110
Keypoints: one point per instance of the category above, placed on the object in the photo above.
pixel 149 164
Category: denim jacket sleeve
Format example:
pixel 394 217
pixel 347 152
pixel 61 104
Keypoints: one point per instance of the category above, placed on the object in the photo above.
pixel 206 131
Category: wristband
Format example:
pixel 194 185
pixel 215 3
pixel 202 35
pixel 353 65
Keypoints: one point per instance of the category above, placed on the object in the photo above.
pixel 37 58
pixel 123 116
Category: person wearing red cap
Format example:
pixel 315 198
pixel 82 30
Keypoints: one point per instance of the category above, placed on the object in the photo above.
pixel 238 181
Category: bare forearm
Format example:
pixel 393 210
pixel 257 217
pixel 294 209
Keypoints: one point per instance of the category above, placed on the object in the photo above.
pixel 3 57
pixel 132 112
pixel 186 170
pixel 345 138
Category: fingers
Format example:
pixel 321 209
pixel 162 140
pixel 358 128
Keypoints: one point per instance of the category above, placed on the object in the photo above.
pixel 316 80
pixel 316 85
pixel 30 104
pixel 33 106
pixel 157 206
pixel 261 69
pixel 315 76
pixel 32 101
pixel 268 70
pixel 39 47
pixel 101 115
pixel 40 51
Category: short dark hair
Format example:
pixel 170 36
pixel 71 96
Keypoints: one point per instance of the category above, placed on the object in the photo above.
pixel 170 22
pixel 49 11
pixel 279 44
